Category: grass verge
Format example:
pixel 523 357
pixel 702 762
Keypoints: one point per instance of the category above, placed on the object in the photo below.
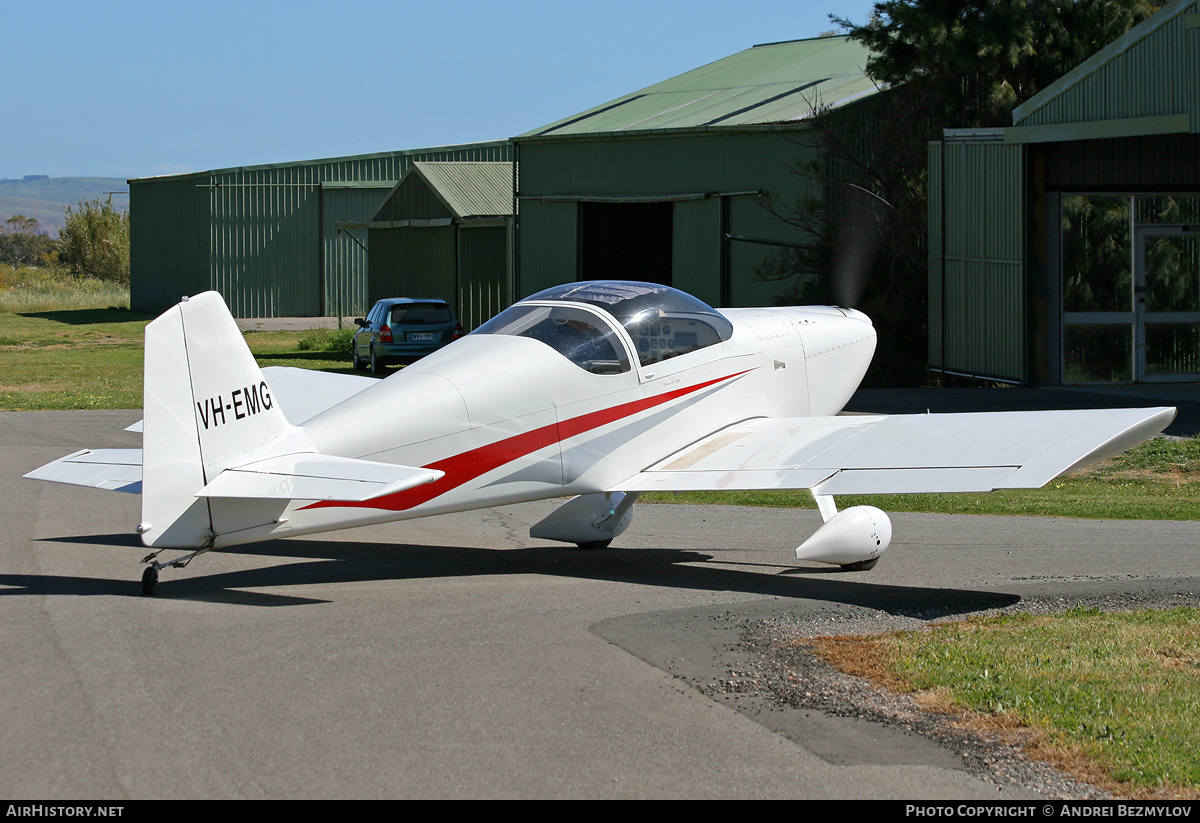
pixel 91 357
pixel 1110 697
pixel 34 289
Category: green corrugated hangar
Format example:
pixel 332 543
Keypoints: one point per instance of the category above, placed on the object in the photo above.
pixel 267 237
pixel 1066 249
pixel 670 184
pixel 446 230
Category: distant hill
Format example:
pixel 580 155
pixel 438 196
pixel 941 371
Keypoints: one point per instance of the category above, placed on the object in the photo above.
pixel 45 198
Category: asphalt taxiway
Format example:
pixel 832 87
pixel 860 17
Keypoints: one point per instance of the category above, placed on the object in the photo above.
pixel 458 657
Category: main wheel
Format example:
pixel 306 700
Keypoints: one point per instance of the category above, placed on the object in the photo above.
pixel 358 364
pixel 595 544
pixel 860 566
pixel 149 580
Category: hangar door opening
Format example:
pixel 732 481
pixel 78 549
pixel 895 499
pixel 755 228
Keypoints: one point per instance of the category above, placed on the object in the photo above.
pixel 1131 288
pixel 626 241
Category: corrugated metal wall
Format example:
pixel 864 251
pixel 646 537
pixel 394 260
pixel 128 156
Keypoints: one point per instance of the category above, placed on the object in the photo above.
pixel 260 236
pixel 344 253
pixel 414 262
pixel 977 289
pixel 264 255
pixel 466 265
pixel 484 288
pixel 168 245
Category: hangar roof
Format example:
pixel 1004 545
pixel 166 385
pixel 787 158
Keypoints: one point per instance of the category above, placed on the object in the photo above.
pixel 470 189
pixel 766 84
pixel 1144 82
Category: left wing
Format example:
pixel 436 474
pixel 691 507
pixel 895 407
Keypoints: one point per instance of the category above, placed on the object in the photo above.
pixel 874 454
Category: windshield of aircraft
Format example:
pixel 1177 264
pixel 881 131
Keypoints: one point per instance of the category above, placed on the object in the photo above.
pixel 663 322
pixel 578 335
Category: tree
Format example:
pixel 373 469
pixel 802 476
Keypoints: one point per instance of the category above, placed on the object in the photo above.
pixel 971 62
pixel 939 64
pixel 23 243
pixel 95 241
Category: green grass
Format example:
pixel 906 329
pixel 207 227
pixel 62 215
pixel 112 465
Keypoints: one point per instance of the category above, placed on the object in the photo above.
pixel 32 289
pixel 67 343
pixel 92 358
pixel 1115 695
pixel 71 359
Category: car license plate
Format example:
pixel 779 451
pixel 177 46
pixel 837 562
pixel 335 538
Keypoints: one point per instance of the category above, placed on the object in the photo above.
pixel 422 335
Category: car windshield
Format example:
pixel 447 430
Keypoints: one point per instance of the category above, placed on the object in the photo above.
pixel 576 334
pixel 420 314
pixel 663 322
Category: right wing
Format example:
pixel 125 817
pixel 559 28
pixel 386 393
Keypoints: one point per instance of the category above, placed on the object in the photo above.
pixel 876 454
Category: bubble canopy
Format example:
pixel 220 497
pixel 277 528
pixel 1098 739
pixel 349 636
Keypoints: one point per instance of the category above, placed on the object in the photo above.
pixel 662 322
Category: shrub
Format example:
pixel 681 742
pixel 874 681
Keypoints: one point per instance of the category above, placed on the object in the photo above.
pixel 328 340
pixel 95 241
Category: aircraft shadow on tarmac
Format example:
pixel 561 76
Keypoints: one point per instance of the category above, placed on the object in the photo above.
pixel 326 562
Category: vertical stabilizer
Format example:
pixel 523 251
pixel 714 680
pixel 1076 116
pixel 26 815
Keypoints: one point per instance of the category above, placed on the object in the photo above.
pixel 205 403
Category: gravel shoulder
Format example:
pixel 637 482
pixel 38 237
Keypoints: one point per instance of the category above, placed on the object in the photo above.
pixel 759 669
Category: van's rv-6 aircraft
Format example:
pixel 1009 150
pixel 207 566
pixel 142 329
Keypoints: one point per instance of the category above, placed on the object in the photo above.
pixel 599 391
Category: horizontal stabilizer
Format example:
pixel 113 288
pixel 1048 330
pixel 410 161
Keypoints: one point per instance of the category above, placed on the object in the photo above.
pixel 112 469
pixel 875 454
pixel 312 476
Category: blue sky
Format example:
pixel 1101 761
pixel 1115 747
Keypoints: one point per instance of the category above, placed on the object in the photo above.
pixel 132 89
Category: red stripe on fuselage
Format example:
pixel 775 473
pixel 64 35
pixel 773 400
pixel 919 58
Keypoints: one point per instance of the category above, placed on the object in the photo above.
pixel 465 467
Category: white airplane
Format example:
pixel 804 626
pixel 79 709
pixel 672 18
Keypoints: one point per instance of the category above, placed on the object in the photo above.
pixel 598 391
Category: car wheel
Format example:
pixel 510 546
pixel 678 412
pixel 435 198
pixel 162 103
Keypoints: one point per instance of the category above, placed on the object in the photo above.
pixel 377 366
pixel 358 364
